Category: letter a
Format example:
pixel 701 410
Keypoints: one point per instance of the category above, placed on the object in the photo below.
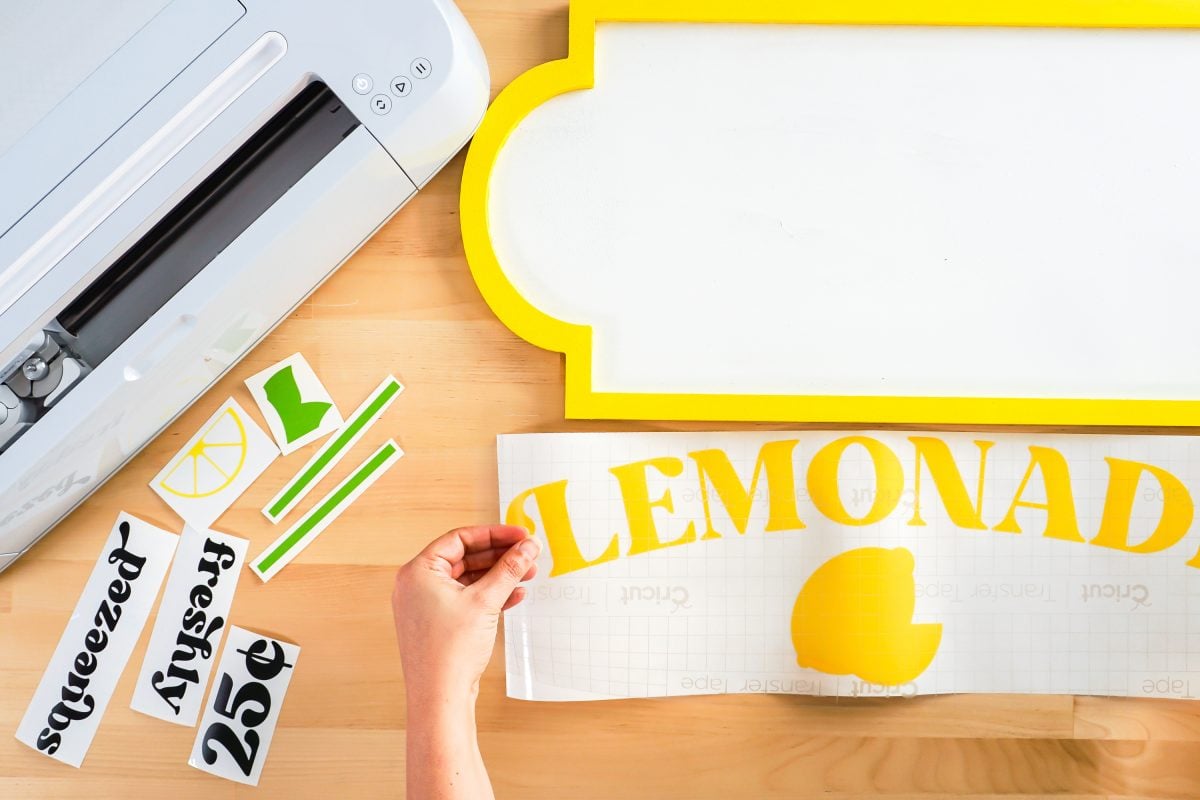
pixel 1061 520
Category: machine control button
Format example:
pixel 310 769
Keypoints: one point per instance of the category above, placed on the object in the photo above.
pixel 362 83
pixel 421 68
pixel 381 104
pixel 401 85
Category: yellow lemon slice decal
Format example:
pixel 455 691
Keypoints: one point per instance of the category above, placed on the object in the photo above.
pixel 211 464
pixel 854 617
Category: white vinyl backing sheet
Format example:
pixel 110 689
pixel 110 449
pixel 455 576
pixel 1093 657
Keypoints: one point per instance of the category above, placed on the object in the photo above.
pixel 74 691
pixel 854 564
pixel 189 626
pixel 216 466
pixel 294 402
pixel 239 720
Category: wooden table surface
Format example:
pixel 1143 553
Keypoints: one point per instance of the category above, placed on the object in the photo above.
pixel 406 304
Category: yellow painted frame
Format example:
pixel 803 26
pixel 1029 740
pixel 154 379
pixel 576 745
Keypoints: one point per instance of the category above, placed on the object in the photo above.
pixel 576 72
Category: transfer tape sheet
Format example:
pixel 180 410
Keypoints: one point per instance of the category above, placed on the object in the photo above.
pixel 854 564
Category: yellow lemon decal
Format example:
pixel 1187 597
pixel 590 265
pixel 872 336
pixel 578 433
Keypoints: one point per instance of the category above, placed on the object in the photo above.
pixel 211 464
pixel 854 617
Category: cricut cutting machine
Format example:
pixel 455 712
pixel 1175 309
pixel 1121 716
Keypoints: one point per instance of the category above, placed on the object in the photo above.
pixel 175 177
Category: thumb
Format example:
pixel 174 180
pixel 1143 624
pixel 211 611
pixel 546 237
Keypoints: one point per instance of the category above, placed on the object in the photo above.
pixel 499 582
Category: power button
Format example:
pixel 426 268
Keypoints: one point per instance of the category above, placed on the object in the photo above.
pixel 362 83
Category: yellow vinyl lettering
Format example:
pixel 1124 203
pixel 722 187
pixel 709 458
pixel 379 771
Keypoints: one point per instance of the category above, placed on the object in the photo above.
pixel 775 460
pixel 551 500
pixel 1177 511
pixel 823 480
pixel 949 482
pixel 1061 519
pixel 639 508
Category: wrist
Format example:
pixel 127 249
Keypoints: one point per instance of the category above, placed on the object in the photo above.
pixel 440 723
pixel 443 758
pixel 442 700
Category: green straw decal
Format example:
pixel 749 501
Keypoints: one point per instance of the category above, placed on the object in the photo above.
pixel 329 508
pixel 334 449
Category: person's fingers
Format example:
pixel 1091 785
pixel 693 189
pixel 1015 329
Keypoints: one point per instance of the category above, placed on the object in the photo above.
pixel 451 548
pixel 484 560
pixel 466 578
pixel 503 536
pixel 495 586
pixel 517 596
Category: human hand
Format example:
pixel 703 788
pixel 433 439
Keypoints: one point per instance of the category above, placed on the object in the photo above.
pixel 447 603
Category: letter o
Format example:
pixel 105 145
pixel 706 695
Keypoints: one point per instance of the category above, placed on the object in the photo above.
pixel 823 480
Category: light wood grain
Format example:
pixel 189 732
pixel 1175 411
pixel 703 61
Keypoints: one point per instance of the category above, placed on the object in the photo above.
pixel 406 304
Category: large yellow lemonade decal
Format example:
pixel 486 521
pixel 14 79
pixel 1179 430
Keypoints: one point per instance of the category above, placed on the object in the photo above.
pixel 854 617
pixel 212 462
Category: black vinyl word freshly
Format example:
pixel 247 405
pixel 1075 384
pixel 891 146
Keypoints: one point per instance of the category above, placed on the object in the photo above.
pixel 194 639
pixel 77 703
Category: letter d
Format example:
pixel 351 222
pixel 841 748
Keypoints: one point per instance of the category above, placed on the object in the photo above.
pixel 1177 511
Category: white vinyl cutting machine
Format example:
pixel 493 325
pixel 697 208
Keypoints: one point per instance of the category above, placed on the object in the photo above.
pixel 175 177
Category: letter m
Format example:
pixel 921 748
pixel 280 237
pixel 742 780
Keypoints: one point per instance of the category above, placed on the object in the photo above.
pixel 775 461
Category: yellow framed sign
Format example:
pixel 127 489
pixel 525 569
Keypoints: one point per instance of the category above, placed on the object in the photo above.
pixel 930 212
